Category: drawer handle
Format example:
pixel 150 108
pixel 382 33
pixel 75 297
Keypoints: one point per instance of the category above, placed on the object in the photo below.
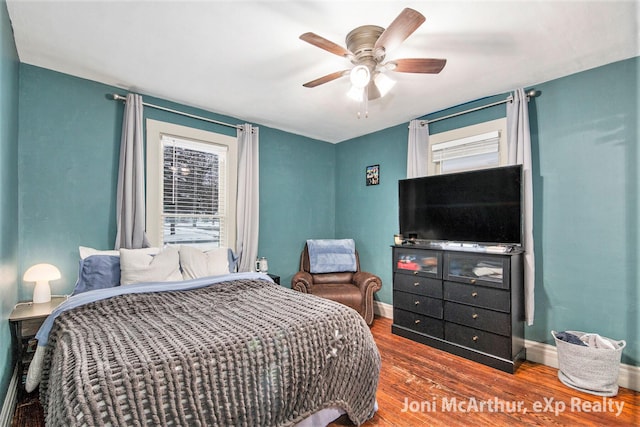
pixel 416 284
pixel 415 272
pixel 417 302
pixel 475 315
pixel 417 321
pixel 474 294
pixel 475 338
pixel 473 281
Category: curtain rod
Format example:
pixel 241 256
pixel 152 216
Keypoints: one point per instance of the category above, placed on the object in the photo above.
pixel 117 97
pixel 530 94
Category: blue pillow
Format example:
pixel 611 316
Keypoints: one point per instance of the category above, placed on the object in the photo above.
pixel 98 272
pixel 233 261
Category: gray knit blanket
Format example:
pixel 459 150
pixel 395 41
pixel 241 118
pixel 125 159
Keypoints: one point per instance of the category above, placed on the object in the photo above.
pixel 239 353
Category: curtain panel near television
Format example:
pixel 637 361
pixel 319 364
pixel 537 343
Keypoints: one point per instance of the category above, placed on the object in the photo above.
pixel 418 149
pixel 519 152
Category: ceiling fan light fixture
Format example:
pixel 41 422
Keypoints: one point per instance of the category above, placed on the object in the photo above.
pixel 384 83
pixel 366 48
pixel 360 76
pixel 356 93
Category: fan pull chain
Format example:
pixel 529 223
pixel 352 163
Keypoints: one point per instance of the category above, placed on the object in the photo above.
pixel 364 104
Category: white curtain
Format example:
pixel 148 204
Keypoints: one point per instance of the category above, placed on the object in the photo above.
pixel 519 152
pixel 417 149
pixel 130 202
pixel 247 212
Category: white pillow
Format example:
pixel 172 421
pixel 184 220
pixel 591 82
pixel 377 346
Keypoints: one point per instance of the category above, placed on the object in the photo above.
pixel 139 266
pixel 196 263
pixel 87 252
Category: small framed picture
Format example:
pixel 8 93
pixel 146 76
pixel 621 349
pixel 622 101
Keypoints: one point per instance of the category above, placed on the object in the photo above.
pixel 373 175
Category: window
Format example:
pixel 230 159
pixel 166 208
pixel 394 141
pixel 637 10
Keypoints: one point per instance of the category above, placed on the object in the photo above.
pixel 191 186
pixel 473 147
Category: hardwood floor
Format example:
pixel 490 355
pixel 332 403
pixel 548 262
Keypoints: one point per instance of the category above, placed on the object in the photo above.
pixel 440 387
pixel 422 386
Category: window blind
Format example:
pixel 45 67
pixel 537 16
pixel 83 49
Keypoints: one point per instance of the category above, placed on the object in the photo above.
pixel 469 153
pixel 466 147
pixel 193 195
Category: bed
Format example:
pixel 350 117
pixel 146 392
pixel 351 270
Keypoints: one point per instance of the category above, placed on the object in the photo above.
pixel 229 350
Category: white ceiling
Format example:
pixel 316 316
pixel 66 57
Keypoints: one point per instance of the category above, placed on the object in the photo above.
pixel 244 58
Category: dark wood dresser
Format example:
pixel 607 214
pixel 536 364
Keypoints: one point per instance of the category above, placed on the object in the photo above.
pixel 467 303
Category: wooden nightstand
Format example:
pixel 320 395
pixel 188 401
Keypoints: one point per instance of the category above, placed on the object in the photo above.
pixel 274 278
pixel 24 321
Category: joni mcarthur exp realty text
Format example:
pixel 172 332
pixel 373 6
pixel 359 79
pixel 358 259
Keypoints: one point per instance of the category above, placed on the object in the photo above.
pixel 547 404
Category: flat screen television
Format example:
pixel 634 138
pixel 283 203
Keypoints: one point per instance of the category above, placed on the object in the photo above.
pixel 483 206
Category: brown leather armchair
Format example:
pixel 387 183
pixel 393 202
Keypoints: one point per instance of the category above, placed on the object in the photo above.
pixel 353 289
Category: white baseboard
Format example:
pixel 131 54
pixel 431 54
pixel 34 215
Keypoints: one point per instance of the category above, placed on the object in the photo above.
pixel 10 400
pixel 383 309
pixel 538 352
pixel 547 355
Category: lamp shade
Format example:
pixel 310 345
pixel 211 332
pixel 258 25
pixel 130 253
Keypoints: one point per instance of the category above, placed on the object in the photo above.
pixel 41 274
pixel 360 76
pixel 384 83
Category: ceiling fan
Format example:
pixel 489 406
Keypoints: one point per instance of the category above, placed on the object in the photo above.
pixel 367 47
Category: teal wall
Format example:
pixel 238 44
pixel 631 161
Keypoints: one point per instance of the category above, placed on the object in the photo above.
pixel 585 153
pixel 585 129
pixel 369 214
pixel 69 148
pixel 297 197
pixel 9 67
pixel 67 169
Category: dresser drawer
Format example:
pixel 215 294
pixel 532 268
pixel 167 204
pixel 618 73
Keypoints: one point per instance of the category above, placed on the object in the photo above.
pixel 419 262
pixel 485 269
pixel 478 340
pixel 418 322
pixel 479 318
pixel 479 296
pixel 417 285
pixel 418 304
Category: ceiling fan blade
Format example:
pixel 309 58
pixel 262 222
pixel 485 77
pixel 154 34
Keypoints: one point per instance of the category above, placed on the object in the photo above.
pixel 326 79
pixel 402 27
pixel 418 65
pixel 325 44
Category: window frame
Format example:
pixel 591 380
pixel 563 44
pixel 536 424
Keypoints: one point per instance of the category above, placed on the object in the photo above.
pixel 499 125
pixel 154 175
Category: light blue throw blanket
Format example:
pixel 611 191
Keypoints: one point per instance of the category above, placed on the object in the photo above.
pixel 332 255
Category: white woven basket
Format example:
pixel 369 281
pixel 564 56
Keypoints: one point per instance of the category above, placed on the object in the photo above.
pixel 589 369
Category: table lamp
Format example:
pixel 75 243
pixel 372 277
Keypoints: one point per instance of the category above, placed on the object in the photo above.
pixel 41 274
